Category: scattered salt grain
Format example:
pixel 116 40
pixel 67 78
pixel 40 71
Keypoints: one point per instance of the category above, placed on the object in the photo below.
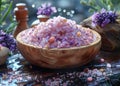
pixel 102 60
pixel 108 65
pixel 89 79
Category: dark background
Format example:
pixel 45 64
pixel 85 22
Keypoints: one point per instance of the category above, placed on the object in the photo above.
pixel 67 8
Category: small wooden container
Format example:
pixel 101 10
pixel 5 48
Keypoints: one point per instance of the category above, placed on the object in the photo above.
pixel 110 34
pixel 41 18
pixel 21 16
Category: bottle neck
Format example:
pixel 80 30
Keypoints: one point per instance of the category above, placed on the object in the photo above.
pixel 22 24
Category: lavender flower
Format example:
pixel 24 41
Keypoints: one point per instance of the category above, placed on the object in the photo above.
pixel 104 17
pixel 46 9
pixel 7 40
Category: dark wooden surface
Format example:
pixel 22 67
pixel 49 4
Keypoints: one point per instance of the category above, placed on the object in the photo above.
pixel 18 72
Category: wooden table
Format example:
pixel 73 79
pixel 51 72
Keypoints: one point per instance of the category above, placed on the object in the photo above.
pixel 18 72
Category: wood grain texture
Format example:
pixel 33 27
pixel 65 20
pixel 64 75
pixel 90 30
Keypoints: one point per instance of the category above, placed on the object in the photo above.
pixel 59 58
pixel 110 34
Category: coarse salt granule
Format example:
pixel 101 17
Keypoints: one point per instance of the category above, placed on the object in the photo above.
pixel 58 32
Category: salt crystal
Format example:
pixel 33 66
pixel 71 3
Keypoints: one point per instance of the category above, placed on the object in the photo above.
pixel 109 65
pixel 89 79
pixel 58 32
pixel 102 60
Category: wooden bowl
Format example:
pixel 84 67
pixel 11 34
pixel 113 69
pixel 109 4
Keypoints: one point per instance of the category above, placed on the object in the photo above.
pixel 59 58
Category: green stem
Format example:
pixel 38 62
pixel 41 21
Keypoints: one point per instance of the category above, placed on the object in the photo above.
pixel 0 7
pixel 6 13
pixel 11 27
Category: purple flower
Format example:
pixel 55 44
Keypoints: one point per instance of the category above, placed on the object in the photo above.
pixel 46 9
pixel 104 17
pixel 7 40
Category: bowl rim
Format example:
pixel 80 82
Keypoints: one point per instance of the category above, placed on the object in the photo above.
pixel 96 41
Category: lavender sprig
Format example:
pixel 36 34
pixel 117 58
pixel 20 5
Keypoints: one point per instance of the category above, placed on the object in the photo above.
pixel 46 9
pixel 104 17
pixel 7 40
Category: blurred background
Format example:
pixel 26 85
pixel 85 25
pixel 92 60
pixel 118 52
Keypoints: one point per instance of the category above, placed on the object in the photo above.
pixel 67 8
pixel 77 10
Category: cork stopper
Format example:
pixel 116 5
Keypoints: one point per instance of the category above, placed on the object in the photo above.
pixel 20 4
pixel 21 12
